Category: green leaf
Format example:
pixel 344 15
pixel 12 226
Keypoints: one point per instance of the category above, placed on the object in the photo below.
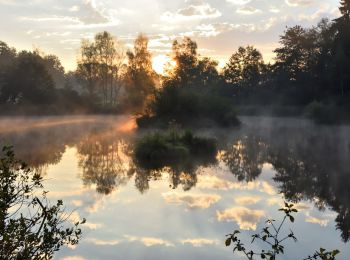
pixel 335 252
pixel 291 218
pixel 228 241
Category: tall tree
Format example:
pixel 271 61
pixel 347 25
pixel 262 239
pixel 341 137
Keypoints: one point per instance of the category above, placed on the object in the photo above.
pixel 244 67
pixel 190 69
pixel 140 75
pixel 100 65
pixel 342 48
pixel 87 66
pixel 185 56
pixel 345 8
pixel 28 81
pixel 7 58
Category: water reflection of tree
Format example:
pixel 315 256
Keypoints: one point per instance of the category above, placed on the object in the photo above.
pixel 41 142
pixel 103 162
pixel 180 173
pixel 309 166
pixel 315 170
pixel 245 157
pixel 42 147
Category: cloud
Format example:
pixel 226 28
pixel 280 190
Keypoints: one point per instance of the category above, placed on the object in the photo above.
pixel 248 10
pixel 100 242
pixel 74 8
pixel 239 2
pixel 52 18
pixel 191 201
pixel 192 12
pixel 274 10
pixel 84 16
pixel 210 30
pixel 93 226
pixel 73 258
pixel 323 11
pixel 246 219
pixel 149 241
pixel 299 2
pixel 199 242
pixel 247 200
pixel 88 14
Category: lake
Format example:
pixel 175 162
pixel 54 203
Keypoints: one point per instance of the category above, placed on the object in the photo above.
pixel 185 212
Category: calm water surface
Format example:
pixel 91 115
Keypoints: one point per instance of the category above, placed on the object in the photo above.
pixel 184 212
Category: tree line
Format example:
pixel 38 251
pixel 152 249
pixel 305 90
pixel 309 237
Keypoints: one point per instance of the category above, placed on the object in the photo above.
pixel 311 74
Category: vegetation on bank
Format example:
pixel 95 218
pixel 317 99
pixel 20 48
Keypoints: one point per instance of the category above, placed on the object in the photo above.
pixel 310 75
pixel 30 227
pixel 173 148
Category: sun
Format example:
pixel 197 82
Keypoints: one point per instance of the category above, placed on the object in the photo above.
pixel 159 62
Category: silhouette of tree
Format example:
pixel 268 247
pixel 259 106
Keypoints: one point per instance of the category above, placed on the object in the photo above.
pixel 99 65
pixel 245 67
pixel 345 8
pixel 140 76
pixel 35 84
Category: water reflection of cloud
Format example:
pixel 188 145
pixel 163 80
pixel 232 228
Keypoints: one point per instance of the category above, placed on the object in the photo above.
pixel 68 193
pixel 77 203
pixel 245 218
pixel 213 182
pixel 274 201
pixel 149 241
pixel 199 242
pixel 192 201
pixel 322 221
pixel 302 206
pixel 247 200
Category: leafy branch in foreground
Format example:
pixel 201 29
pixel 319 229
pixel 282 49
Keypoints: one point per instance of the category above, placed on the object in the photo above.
pixel 30 228
pixel 324 255
pixel 271 235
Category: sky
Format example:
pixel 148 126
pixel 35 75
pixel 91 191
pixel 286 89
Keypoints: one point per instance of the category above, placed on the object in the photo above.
pixel 218 26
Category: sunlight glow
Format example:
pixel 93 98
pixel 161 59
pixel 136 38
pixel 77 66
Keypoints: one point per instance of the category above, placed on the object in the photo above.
pixel 159 63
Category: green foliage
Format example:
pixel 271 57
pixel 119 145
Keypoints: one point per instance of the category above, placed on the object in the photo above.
pixel 323 254
pixel 158 150
pixel 30 228
pixel 271 236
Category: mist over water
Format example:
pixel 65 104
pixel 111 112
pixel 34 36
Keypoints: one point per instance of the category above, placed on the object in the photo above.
pixel 136 213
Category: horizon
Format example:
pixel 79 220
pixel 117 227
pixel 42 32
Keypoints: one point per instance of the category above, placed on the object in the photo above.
pixel 218 28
